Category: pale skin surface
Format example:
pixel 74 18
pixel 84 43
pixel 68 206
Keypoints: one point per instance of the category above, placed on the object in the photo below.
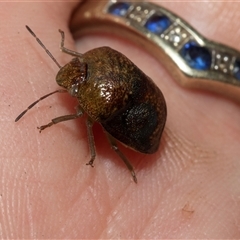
pixel 189 189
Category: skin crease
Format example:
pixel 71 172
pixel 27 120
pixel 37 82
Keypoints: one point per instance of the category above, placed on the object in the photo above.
pixel 190 188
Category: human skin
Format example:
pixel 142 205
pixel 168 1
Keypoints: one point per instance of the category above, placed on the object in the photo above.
pixel 190 188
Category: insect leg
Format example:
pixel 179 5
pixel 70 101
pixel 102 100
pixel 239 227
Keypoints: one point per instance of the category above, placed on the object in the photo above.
pixel 91 142
pixel 121 155
pixel 65 50
pixel 62 119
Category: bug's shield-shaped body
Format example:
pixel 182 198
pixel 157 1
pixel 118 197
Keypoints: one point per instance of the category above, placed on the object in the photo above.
pixel 116 93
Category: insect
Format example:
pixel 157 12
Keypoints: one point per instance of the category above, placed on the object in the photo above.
pixel 113 91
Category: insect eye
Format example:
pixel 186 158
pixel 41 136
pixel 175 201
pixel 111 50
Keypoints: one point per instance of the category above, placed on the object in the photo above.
pixel 73 90
pixel 83 74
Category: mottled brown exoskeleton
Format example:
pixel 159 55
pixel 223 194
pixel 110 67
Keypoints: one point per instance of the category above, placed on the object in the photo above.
pixel 113 91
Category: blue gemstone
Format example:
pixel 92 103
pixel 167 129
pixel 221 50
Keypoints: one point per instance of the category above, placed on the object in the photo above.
pixel 157 24
pixel 197 57
pixel 119 9
pixel 236 69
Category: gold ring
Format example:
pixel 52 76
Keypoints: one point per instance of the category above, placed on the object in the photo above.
pixel 192 60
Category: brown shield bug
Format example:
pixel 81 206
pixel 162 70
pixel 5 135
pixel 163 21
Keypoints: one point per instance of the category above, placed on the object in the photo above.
pixel 113 91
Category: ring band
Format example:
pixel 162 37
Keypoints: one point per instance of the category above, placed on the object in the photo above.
pixel 192 60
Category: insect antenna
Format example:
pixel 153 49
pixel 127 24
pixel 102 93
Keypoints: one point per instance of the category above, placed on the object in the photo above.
pixel 37 101
pixel 42 45
pixel 49 94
